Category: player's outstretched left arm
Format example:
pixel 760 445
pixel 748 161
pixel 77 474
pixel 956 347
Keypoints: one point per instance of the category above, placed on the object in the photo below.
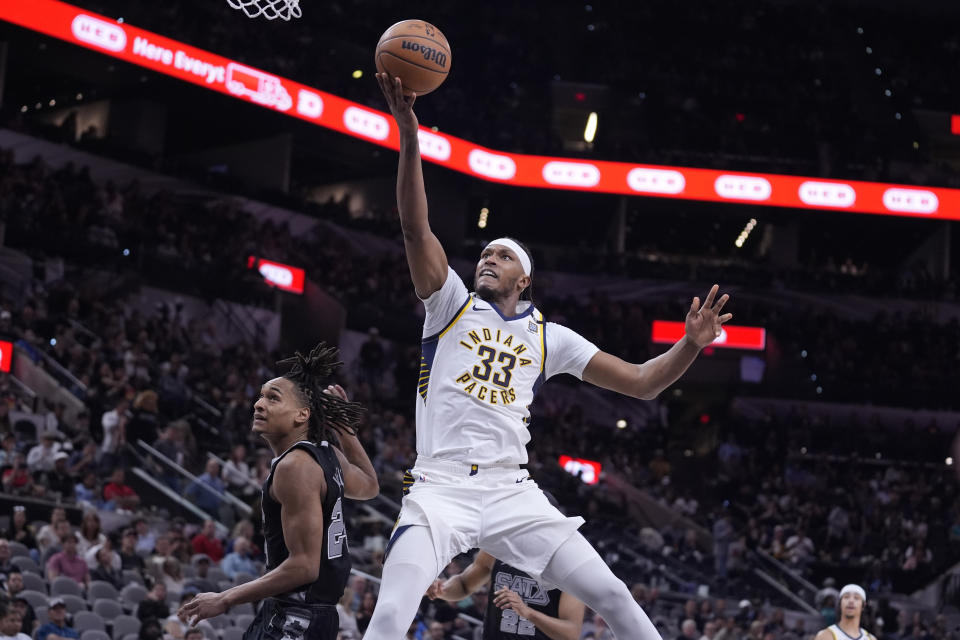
pixel 646 381
pixel 566 626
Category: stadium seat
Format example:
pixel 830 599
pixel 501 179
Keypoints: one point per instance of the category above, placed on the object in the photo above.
pixel 18 549
pixel 131 595
pixel 100 589
pixel 107 608
pixel 131 636
pixel 215 575
pixel 74 603
pixel 25 563
pixel 94 634
pixel 132 575
pixel 243 620
pixel 243 577
pixel 87 620
pixel 64 586
pixel 219 622
pixel 34 582
pixel 233 633
pixel 242 609
pixel 124 625
pixel 223 585
pixel 35 598
pixel 42 616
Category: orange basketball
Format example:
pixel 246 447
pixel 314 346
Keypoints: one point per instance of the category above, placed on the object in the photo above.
pixel 417 53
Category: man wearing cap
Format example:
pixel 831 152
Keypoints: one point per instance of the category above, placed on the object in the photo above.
pixel 41 456
pixel 485 354
pixel 852 600
pixel 59 481
pixel 57 628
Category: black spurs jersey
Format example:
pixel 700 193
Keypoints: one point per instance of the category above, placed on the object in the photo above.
pixel 335 566
pixel 505 624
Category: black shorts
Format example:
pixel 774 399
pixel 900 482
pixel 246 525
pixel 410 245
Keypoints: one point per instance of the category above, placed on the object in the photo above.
pixel 283 620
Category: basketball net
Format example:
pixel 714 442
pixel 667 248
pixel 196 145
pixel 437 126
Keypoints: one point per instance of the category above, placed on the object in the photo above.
pixel 269 9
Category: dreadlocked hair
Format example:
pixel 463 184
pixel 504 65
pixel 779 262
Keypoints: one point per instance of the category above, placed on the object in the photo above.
pixel 328 413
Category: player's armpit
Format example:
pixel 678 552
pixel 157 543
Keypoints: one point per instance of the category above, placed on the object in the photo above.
pixel 299 486
pixel 610 372
pixel 358 484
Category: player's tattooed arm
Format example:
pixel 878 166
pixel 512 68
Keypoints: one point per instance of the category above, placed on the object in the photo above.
pixel 425 254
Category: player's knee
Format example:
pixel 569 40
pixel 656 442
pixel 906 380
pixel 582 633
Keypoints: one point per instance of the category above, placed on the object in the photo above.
pixel 613 595
pixel 386 621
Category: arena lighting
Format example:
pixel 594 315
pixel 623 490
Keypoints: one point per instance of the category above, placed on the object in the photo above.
pixel 588 470
pixel 357 74
pixel 484 215
pixel 731 337
pixel 745 233
pixel 184 62
pixel 6 355
pixel 621 424
pixel 591 129
pixel 949 461
pixel 276 274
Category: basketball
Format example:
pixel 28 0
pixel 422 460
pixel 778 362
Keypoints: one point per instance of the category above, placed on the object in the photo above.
pixel 417 53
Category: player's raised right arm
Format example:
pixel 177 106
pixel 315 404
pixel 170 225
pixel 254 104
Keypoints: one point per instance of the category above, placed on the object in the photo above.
pixel 425 255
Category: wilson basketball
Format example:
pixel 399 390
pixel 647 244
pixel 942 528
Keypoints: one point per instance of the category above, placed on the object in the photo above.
pixel 417 53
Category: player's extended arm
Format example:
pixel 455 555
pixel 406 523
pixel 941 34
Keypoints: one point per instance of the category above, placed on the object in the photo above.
pixel 359 477
pixel 569 621
pixel 425 255
pixel 299 486
pixel 463 584
pixel 647 380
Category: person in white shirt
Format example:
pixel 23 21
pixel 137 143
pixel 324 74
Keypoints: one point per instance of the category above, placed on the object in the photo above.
pixel 10 624
pixel 47 536
pixel 41 456
pixel 114 423
pixel 236 473
pixel 484 356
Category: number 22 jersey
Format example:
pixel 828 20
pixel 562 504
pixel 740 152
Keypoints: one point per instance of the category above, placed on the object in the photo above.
pixel 479 372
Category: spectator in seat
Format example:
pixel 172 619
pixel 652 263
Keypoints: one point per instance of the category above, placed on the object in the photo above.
pixel 5 566
pixel 13 585
pixel 176 627
pixel 200 582
pixel 173 576
pixel 151 629
pixel 10 625
pixel 688 630
pixel 57 628
pixel 68 563
pixel 17 478
pixel 206 500
pixel 27 615
pixel 84 460
pixel 9 450
pixel 130 560
pixel 114 424
pixel 155 604
pixel 104 569
pixel 60 482
pixel 40 457
pixel 239 561
pixel 236 473
pixel 119 492
pixel 19 530
pixel 206 541
pixel 90 534
pixel 192 634
pixel 62 528
pixel 146 537
pixel 86 492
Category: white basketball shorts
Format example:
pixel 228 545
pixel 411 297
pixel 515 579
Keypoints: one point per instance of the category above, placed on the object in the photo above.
pixel 499 509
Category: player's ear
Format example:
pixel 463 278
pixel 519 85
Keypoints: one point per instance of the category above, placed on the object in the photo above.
pixel 303 415
pixel 523 282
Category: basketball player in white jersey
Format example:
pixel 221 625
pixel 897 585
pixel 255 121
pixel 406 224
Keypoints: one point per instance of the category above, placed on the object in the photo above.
pixel 484 355
pixel 852 600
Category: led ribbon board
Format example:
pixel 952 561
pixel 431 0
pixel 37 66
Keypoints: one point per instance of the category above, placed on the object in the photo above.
pixel 279 275
pixel 179 60
pixel 6 355
pixel 731 336
pixel 588 470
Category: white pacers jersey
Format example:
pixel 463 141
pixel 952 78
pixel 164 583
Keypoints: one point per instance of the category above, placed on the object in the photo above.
pixel 479 372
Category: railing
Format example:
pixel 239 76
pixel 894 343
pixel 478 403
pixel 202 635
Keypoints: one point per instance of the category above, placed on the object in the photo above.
pixel 222 529
pixel 770 580
pixel 229 497
pixel 26 391
pixel 61 370
pixel 787 571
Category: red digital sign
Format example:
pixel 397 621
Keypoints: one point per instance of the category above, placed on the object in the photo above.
pixel 955 124
pixel 182 61
pixel 279 275
pixel 731 337
pixel 588 470
pixel 6 355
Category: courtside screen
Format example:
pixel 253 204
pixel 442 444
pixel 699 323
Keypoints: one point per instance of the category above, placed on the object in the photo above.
pixel 187 63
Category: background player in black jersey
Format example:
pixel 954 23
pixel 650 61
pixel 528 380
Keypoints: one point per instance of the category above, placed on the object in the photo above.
pixel 518 607
pixel 308 562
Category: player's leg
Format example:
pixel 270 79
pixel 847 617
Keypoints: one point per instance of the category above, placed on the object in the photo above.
pixel 576 568
pixel 411 566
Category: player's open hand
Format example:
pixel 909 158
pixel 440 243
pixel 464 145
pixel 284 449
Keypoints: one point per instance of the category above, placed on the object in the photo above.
pixel 336 391
pixel 704 322
pixel 205 605
pixel 401 106
pixel 507 599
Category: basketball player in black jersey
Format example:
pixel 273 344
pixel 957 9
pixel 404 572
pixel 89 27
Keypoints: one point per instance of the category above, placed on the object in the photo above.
pixel 308 561
pixel 519 608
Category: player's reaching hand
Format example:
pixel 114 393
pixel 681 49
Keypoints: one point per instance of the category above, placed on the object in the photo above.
pixel 436 590
pixel 704 323
pixel 401 106
pixel 507 599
